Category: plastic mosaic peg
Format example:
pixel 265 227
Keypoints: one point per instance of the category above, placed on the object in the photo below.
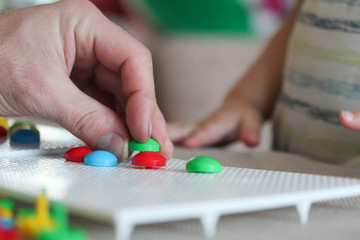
pixel 62 231
pixel 6 208
pixel 4 123
pixel 9 234
pixel 151 145
pixel 24 132
pixel 100 158
pixel 31 223
pixel 3 127
pixel 149 159
pixel 7 228
pixel 3 132
pixel 6 215
pixel 77 154
pixel 203 164
pixel 54 140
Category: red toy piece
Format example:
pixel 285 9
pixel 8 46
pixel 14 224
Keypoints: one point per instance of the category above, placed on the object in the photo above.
pixel 9 235
pixel 149 160
pixel 77 154
pixel 3 132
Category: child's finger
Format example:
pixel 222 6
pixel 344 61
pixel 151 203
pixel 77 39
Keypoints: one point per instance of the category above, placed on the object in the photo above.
pixel 212 130
pixel 179 131
pixel 350 120
pixel 250 128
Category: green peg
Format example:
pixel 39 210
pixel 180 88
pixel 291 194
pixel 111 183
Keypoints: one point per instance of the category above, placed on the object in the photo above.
pixel 6 204
pixel 62 230
pixel 151 145
pixel 25 212
pixel 22 123
pixel 203 164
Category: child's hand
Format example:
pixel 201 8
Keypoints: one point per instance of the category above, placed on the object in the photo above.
pixel 234 119
pixel 68 63
pixel 250 101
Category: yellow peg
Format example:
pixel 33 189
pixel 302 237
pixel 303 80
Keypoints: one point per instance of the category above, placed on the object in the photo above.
pixel 42 211
pixel 4 123
pixel 31 223
pixel 43 220
pixel 6 213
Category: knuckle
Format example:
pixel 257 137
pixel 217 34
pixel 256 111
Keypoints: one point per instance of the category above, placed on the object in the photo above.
pixel 77 4
pixel 80 121
pixel 79 9
pixel 32 94
pixel 144 55
pixel 152 104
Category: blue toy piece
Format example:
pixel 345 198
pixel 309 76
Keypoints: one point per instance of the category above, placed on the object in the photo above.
pixel 6 224
pixel 25 136
pixel 101 158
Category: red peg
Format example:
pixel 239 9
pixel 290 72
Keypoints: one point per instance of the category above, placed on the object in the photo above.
pixel 77 154
pixel 149 159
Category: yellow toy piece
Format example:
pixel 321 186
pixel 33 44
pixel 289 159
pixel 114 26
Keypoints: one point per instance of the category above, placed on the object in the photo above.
pixel 32 223
pixel 26 224
pixel 4 123
pixel 6 213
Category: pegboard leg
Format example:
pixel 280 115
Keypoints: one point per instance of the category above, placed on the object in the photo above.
pixel 303 210
pixel 209 223
pixel 123 229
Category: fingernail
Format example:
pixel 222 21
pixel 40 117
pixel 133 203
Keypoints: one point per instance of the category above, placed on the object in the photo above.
pixel 348 116
pixel 112 142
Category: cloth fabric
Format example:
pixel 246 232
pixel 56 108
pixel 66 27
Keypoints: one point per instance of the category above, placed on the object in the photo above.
pixel 321 78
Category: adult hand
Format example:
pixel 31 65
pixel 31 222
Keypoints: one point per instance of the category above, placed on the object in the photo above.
pixel 67 62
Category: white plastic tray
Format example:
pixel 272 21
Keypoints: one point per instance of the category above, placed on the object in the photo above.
pixel 131 196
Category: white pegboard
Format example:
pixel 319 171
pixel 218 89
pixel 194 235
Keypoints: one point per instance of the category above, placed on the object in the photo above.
pixel 132 196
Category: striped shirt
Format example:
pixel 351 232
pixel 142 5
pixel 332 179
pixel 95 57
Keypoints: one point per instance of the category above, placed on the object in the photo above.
pixel 321 78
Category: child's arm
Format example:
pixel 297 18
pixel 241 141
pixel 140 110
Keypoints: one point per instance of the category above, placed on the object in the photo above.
pixel 250 101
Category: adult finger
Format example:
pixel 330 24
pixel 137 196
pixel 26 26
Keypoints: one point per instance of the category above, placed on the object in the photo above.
pixel 122 54
pixel 159 133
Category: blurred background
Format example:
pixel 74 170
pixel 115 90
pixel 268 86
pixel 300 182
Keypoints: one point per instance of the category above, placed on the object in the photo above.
pixel 200 48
